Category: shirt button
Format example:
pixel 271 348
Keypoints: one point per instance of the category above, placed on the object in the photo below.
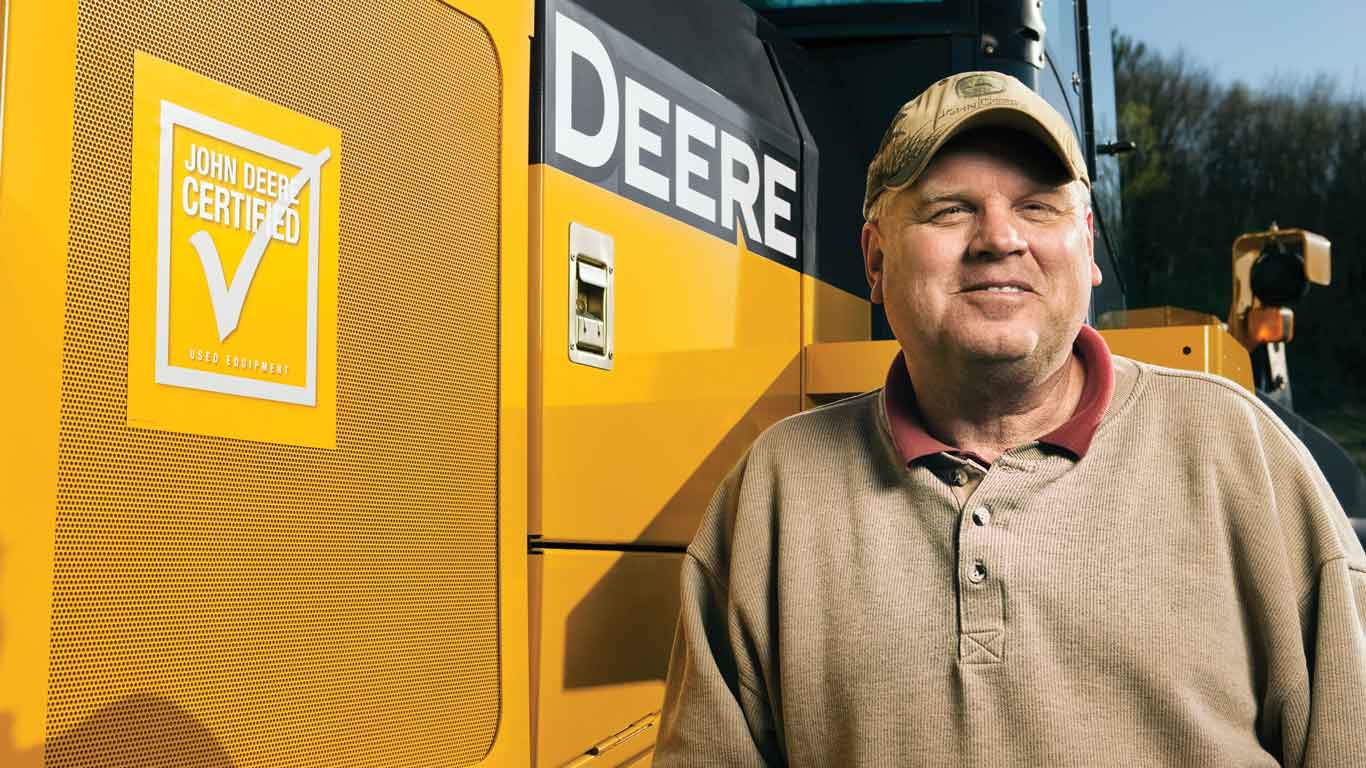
pixel 960 477
pixel 978 574
pixel 981 516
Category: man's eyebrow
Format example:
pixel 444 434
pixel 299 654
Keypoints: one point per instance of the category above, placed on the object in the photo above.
pixel 939 196
pixel 931 197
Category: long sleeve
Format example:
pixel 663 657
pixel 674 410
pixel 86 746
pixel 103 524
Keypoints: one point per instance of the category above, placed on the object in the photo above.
pixel 1317 665
pixel 1337 692
pixel 715 710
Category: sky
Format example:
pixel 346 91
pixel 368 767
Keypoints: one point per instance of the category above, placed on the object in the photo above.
pixel 1256 40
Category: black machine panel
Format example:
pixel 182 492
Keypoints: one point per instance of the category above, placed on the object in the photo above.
pixel 852 66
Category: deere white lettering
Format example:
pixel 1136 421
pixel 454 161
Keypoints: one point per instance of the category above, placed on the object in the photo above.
pixel 697 142
pixel 734 191
pixel 591 149
pixel 776 174
pixel 686 164
pixel 641 99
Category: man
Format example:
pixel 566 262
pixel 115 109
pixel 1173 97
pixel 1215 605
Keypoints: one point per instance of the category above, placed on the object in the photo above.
pixel 1022 550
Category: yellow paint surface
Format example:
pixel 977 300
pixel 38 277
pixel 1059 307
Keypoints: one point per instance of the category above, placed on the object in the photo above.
pixel 707 341
pixel 34 193
pixel 832 314
pixel 605 631
pixel 846 368
pixel 1205 348
pixel 510 26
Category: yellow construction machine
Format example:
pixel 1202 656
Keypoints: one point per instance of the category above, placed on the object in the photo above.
pixel 370 363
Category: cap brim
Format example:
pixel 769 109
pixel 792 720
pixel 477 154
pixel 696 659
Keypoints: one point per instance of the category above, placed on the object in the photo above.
pixel 1004 117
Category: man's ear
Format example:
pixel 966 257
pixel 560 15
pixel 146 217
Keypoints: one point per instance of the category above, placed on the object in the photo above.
pixel 871 241
pixel 1091 248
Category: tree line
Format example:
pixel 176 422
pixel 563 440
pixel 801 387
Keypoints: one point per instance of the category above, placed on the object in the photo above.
pixel 1217 160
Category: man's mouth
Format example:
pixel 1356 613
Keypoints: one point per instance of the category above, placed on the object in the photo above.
pixel 1006 287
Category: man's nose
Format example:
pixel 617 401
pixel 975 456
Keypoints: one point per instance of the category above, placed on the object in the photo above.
pixel 998 233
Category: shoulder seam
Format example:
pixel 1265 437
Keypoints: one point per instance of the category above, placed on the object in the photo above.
pixel 843 401
pixel 1208 378
pixel 1258 407
pixel 1347 562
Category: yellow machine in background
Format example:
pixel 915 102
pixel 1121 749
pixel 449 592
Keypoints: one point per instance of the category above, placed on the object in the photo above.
pixel 371 363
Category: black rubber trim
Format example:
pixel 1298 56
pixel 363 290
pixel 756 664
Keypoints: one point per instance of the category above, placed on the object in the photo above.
pixel 534 544
pixel 1088 107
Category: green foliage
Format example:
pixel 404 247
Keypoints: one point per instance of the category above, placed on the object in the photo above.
pixel 1148 177
pixel 1346 425
pixel 1215 161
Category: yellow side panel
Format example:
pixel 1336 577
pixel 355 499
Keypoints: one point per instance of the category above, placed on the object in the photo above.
pixel 831 314
pixel 510 25
pixel 707 339
pixel 607 623
pixel 35 185
pixel 828 315
pixel 1205 348
pixel 835 369
pixel 847 367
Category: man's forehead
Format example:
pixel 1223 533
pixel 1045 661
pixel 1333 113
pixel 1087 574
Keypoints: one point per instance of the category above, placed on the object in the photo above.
pixel 950 179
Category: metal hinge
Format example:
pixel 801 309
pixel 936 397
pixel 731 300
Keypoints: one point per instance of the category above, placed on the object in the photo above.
pixel 615 740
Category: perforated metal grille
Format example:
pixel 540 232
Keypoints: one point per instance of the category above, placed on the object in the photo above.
pixel 225 602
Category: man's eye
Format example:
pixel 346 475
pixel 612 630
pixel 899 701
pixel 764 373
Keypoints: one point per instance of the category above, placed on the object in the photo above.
pixel 949 212
pixel 1035 207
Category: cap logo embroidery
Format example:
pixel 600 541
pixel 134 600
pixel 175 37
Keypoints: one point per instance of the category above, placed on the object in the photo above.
pixel 978 85
pixel 904 159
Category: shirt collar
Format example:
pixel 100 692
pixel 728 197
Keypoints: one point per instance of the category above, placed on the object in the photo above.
pixel 1073 437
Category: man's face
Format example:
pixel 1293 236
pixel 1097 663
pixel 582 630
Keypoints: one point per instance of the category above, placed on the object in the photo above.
pixel 988 257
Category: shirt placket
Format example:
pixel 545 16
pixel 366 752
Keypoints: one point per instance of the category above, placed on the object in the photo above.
pixel 981 599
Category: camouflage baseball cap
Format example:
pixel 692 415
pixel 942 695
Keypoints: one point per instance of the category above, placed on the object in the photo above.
pixel 953 105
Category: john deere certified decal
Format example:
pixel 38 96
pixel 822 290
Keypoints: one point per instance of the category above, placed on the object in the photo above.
pixel 233 273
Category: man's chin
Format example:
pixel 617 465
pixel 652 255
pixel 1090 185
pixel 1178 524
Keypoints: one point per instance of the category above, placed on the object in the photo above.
pixel 999 350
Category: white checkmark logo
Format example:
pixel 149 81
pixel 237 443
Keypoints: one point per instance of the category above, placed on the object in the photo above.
pixel 227 301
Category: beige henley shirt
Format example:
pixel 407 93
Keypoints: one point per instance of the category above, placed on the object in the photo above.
pixel 1186 593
